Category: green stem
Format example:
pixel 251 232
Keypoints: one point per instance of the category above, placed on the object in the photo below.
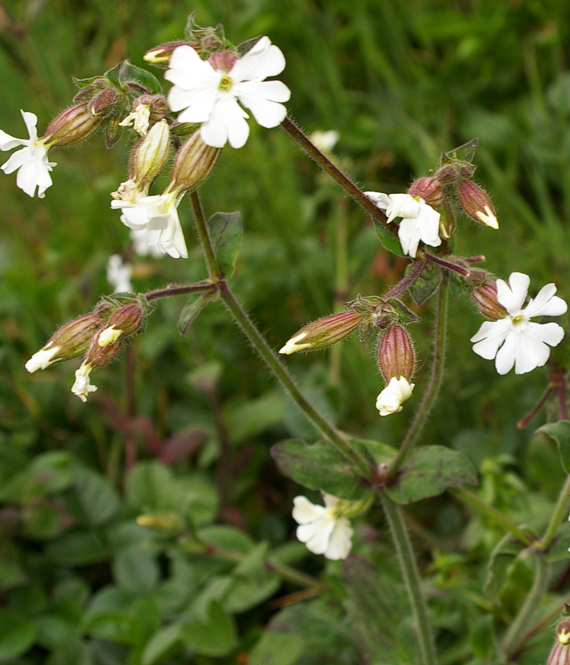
pixel 204 236
pixel 522 621
pixel 473 500
pixel 268 356
pixel 412 579
pixel 170 291
pixel 434 383
pixel 560 510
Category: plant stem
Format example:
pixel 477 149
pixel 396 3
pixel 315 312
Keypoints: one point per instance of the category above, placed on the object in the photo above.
pixel 434 383
pixel 204 236
pixel 521 622
pixel 560 510
pixel 412 580
pixel 404 284
pixel 169 291
pixel 473 500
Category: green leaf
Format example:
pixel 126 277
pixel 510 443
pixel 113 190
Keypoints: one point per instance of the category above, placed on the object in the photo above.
pixel 483 640
pixel 277 649
pixel 136 572
pixel 320 467
pixel 226 538
pixel 225 234
pixel 464 153
pixel 560 433
pixel 131 73
pixel 78 548
pixel 166 642
pixel 194 305
pixel 97 499
pixel 428 472
pixel 426 284
pixel 502 557
pixel 16 634
pixel 390 241
pixel 115 627
pixel 214 635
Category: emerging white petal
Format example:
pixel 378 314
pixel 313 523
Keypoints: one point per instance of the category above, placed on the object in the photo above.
pixel 139 118
pixel 516 341
pixel 390 399
pixel 119 274
pixel 293 345
pixel 31 161
pixel 42 358
pixel 109 336
pixel 82 386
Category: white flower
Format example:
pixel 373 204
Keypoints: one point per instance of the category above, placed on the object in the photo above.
pixel 82 386
pixel 514 339
pixel 321 528
pixel 138 238
pixel 391 398
pixel 210 96
pixel 119 274
pixel 325 141
pixel 158 216
pixel 31 160
pixel 419 220
pixel 42 358
pixel 139 118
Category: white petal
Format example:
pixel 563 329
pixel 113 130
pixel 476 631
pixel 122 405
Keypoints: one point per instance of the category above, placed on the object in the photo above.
pixel 428 220
pixel 404 205
pixel 261 61
pixel 409 235
pixel 305 511
pixel 268 114
pixel 316 535
pixel 340 540
pixel 394 394
pixel 8 142
pixel 506 355
pixel 383 201
pixel 273 91
pixel 199 104
pixel 331 502
pixel 550 333
pixel 512 295
pixel 31 120
pixel 187 70
pixel 546 303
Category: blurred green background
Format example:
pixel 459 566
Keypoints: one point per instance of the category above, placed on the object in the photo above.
pixel 400 81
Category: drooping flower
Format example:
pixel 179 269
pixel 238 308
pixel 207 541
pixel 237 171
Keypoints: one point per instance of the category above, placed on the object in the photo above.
pixel 515 339
pixel 138 238
pixel 82 386
pixel 119 274
pixel 139 119
pixel 43 358
pixel 390 399
pixel 419 220
pixel 322 528
pixel 31 161
pixel 158 216
pixel 208 92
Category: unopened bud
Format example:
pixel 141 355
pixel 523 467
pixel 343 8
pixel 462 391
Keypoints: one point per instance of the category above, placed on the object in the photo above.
pixel 150 155
pixel 485 298
pixel 396 356
pixel 103 103
pixel 161 521
pixel 71 126
pixel 323 332
pixel 157 104
pixel 123 323
pixel 560 654
pixel 222 61
pixel 477 204
pixel 160 55
pixel 193 164
pixel 429 189
pixel 69 341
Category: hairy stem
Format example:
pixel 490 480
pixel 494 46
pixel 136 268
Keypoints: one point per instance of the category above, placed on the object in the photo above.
pixel 560 511
pixel 170 291
pixel 204 236
pixel 412 581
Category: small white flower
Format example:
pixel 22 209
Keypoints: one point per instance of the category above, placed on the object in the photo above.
pixel 139 118
pixel 210 96
pixel 82 386
pixel 419 220
pixel 325 141
pixel 42 358
pixel 321 528
pixel 391 398
pixel 119 274
pixel 31 160
pixel 158 216
pixel 515 340
pixel 138 238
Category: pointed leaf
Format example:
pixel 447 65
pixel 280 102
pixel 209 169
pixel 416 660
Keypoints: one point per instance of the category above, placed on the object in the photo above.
pixel 129 72
pixel 560 433
pixel 225 233
pixel 215 635
pixel 277 649
pixel 194 305
pixel 426 284
pixel 166 642
pixel 502 558
pixel 320 467
pixel 390 241
pixel 429 471
pixel 16 634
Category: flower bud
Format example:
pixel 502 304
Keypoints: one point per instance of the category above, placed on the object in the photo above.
pixel 123 323
pixel 71 126
pixel 160 55
pixel 323 332
pixel 486 300
pixel 158 106
pixel 150 155
pixel 429 189
pixel 222 61
pixel 477 204
pixel 69 341
pixel 396 357
pixel 103 103
pixel 193 164
pixel 560 654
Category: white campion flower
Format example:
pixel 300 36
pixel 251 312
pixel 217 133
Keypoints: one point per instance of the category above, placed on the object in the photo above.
pixel 419 220
pixel 139 119
pixel 138 238
pixel 321 528
pixel 43 358
pixel 119 274
pixel 31 161
pixel 158 216
pixel 82 386
pixel 208 91
pixel 515 339
pixel 391 398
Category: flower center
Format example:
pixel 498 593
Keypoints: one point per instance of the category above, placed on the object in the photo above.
pixel 226 83
pixel 517 319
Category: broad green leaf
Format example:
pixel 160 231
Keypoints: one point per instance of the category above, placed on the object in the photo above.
pixel 320 467
pixel 225 233
pixel 255 416
pixel 16 634
pixel 55 631
pixel 194 305
pixel 78 548
pixel 115 627
pixel 97 499
pixel 277 649
pixel 560 433
pixel 483 640
pixel 426 284
pixel 74 653
pixel 429 471
pixel 148 486
pixel 129 72
pixel 226 538
pixel 166 642
pixel 389 240
pixel 502 557
pixel 214 635
pixel 136 572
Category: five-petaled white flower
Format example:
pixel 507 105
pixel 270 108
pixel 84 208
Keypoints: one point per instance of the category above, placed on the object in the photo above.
pixel 209 91
pixel 321 528
pixel 391 398
pixel 419 220
pixel 31 160
pixel 515 339
pixel 158 216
